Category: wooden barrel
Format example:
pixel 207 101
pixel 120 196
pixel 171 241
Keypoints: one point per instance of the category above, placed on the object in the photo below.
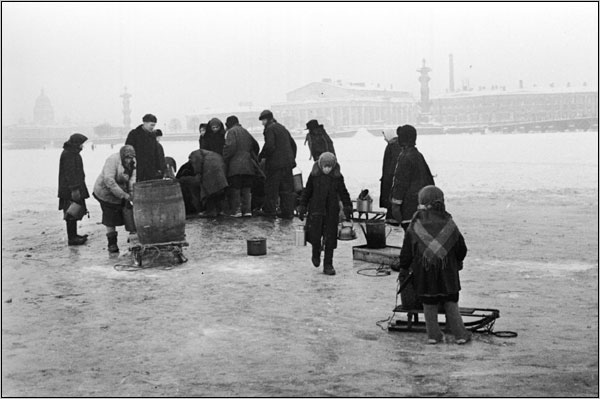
pixel 158 211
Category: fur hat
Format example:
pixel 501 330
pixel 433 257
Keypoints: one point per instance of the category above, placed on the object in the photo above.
pixel 266 114
pixel 127 151
pixel 407 135
pixel 312 124
pixel 327 159
pixel 149 118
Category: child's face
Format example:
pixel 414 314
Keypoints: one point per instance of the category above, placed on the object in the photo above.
pixel 327 169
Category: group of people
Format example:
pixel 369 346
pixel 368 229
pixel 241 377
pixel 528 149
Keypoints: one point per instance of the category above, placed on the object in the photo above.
pixel 230 174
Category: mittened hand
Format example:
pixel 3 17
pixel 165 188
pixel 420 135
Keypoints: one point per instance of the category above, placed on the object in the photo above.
pixel 76 195
pixel 348 212
pixel 301 212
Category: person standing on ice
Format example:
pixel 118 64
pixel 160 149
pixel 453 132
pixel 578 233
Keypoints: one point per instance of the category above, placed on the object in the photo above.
pixel 71 185
pixel 434 249
pixel 214 138
pixel 149 162
pixel 279 151
pixel 390 158
pixel 113 190
pixel 318 140
pixel 411 175
pixel 241 159
pixel 321 198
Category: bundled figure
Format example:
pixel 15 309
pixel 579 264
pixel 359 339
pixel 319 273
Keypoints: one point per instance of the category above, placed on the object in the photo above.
pixel 207 185
pixel 390 158
pixel 318 140
pixel 241 157
pixel 214 138
pixel 113 190
pixel 72 190
pixel 150 160
pixel 435 249
pixel 321 198
pixel 411 175
pixel 161 156
pixel 279 151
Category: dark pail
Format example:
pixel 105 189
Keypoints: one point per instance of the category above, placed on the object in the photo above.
pixel 298 184
pixel 257 246
pixel 159 211
pixel 375 234
pixel 128 219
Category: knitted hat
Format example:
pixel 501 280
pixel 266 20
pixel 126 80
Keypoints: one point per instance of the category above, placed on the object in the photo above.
pixel 407 135
pixel 231 121
pixel 430 195
pixel 327 159
pixel 149 118
pixel 77 139
pixel 312 124
pixel 266 114
pixel 127 151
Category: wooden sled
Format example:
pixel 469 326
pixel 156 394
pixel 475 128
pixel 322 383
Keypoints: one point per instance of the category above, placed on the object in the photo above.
pixel 137 249
pixel 475 319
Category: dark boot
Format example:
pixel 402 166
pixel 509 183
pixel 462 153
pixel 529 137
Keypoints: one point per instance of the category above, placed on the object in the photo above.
pixel 328 262
pixel 316 255
pixel 112 242
pixel 74 239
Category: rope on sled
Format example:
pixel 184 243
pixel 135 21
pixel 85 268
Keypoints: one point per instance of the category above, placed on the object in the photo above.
pixel 148 264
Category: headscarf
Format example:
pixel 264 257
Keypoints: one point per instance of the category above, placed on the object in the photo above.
pixel 127 151
pixel 217 122
pixel 74 142
pixel 327 159
pixel 433 228
pixel 407 135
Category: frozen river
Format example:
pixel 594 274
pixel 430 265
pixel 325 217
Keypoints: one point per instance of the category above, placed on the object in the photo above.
pixel 460 163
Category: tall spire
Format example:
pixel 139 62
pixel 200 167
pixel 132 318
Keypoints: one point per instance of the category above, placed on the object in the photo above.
pixel 126 110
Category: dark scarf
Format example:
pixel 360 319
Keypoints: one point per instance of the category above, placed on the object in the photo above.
pixel 435 234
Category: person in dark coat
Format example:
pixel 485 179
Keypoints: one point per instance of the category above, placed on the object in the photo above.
pixel 202 129
pixel 208 183
pixel 187 170
pixel 324 190
pixel 279 151
pixel 214 138
pixel 71 185
pixel 161 155
pixel 390 158
pixel 149 160
pixel 434 249
pixel 411 175
pixel 241 158
pixel 318 140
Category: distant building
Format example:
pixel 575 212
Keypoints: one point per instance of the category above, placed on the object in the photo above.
pixel 339 105
pixel 43 113
pixel 498 106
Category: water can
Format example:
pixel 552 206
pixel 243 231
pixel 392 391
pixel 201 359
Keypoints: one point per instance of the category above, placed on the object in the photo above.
pixel 375 233
pixel 346 231
pixel 256 246
pixel 300 236
pixel 298 184
pixel 364 205
pixel 159 211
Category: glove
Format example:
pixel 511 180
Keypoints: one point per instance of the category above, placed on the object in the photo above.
pixel 301 212
pixel 348 212
pixel 76 195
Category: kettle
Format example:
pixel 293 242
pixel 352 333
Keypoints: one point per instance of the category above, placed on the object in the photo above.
pixel 346 231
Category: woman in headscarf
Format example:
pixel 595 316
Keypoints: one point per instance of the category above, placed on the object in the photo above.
pixel 113 189
pixel 321 198
pixel 390 158
pixel 214 138
pixel 435 249
pixel 71 186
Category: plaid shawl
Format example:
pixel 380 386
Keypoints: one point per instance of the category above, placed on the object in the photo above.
pixel 435 234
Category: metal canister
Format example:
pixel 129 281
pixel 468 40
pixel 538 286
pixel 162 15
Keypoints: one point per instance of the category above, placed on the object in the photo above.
pixel 300 236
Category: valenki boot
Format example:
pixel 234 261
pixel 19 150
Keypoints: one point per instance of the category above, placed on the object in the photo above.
pixel 74 239
pixel 112 242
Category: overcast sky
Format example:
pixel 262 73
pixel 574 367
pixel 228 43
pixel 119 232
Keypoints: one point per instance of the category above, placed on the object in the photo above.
pixel 179 58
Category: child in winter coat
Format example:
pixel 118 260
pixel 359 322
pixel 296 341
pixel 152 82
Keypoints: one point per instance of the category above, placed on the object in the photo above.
pixel 321 198
pixel 434 249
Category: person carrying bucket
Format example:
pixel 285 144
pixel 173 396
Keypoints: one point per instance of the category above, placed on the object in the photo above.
pixel 324 188
pixel 434 249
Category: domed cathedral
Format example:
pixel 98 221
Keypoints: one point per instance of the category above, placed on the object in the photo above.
pixel 43 113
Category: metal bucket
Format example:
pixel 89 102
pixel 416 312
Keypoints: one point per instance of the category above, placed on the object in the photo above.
pixel 257 246
pixel 298 184
pixel 375 233
pixel 364 206
pixel 300 236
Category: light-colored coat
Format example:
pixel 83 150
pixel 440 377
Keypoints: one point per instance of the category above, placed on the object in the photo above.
pixel 113 185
